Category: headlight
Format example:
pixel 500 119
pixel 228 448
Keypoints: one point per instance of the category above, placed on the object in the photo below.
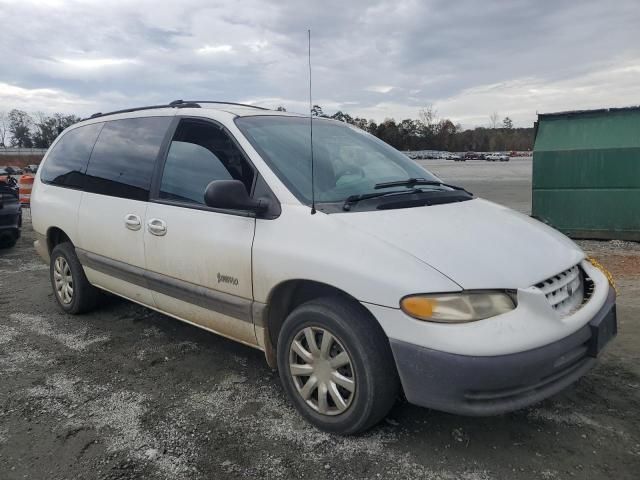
pixel 457 307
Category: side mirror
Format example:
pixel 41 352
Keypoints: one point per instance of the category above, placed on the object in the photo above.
pixel 231 195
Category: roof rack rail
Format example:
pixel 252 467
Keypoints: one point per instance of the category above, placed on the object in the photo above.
pixel 174 104
pixel 178 102
pixel 149 107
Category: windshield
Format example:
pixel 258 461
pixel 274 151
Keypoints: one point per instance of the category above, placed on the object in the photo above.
pixel 347 160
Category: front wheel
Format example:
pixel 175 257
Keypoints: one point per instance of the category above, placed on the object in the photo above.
pixel 336 365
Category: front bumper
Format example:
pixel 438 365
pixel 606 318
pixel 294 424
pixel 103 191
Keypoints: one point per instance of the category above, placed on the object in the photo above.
pixel 490 385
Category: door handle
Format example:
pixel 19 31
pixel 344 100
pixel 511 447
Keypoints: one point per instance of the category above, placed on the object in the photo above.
pixel 157 227
pixel 132 222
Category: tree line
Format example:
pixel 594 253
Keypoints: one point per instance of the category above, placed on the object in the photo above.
pixel 428 132
pixel 20 129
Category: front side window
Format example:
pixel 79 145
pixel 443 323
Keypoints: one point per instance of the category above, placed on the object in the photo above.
pixel 201 152
pixel 347 161
pixel 124 157
pixel 67 162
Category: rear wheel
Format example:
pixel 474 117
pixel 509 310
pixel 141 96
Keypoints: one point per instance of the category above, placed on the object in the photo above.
pixel 336 366
pixel 8 241
pixel 71 288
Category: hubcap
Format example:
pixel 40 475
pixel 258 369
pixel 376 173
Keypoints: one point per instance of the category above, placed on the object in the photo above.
pixel 63 280
pixel 322 371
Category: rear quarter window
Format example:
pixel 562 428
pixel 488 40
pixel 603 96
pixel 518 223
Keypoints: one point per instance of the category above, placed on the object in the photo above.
pixel 66 163
pixel 124 157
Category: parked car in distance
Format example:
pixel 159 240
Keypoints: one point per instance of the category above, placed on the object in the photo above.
pixel 10 215
pixel 497 157
pixel 13 170
pixel 357 284
pixel 6 173
pixel 473 156
pixel 456 158
pixel 31 168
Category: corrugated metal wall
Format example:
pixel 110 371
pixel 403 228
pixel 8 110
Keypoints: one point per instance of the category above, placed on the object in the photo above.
pixel 586 173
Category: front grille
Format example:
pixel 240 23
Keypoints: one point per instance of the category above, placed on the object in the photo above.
pixel 565 291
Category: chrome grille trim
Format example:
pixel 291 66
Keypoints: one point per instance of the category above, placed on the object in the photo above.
pixel 564 291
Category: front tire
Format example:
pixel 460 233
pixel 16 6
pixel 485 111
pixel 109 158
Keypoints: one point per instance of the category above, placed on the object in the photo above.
pixel 72 290
pixel 336 365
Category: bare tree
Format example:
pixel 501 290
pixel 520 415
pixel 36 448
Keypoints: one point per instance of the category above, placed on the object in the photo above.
pixel 495 118
pixel 4 127
pixel 429 116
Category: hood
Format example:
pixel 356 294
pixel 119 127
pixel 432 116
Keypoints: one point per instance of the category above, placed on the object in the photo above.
pixel 477 244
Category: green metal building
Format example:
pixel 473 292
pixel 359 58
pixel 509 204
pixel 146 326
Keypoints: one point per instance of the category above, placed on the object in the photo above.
pixel 586 173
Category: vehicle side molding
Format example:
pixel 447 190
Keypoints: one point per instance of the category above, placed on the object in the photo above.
pixel 221 302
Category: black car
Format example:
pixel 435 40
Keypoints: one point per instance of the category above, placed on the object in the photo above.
pixel 473 156
pixel 10 215
pixel 14 170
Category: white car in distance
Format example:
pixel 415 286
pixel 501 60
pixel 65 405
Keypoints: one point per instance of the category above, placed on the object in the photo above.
pixel 497 157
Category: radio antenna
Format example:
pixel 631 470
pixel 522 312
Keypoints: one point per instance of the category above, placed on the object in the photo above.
pixel 313 186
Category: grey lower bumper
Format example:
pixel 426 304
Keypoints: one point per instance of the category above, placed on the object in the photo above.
pixel 481 386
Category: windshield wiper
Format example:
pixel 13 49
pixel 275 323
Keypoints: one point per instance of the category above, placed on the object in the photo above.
pixel 351 199
pixel 410 182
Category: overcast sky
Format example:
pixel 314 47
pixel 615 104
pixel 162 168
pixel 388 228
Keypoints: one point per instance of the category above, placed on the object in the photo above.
pixel 370 58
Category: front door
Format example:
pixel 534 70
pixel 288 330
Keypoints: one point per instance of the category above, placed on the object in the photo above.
pixel 199 260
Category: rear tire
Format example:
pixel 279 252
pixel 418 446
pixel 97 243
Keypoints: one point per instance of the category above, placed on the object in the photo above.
pixel 72 290
pixel 352 382
pixel 8 242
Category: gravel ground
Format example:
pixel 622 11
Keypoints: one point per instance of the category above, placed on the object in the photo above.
pixel 127 393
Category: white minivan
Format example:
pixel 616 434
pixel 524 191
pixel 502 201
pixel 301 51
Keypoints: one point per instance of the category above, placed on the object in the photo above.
pixel 367 280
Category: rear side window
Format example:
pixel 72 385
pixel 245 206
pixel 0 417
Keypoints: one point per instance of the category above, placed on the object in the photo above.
pixel 124 156
pixel 67 161
pixel 201 152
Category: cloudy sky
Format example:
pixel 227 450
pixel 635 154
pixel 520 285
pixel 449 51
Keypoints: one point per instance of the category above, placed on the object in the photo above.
pixel 370 58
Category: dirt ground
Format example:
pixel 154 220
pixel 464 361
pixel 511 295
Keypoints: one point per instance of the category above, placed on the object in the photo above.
pixel 127 393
